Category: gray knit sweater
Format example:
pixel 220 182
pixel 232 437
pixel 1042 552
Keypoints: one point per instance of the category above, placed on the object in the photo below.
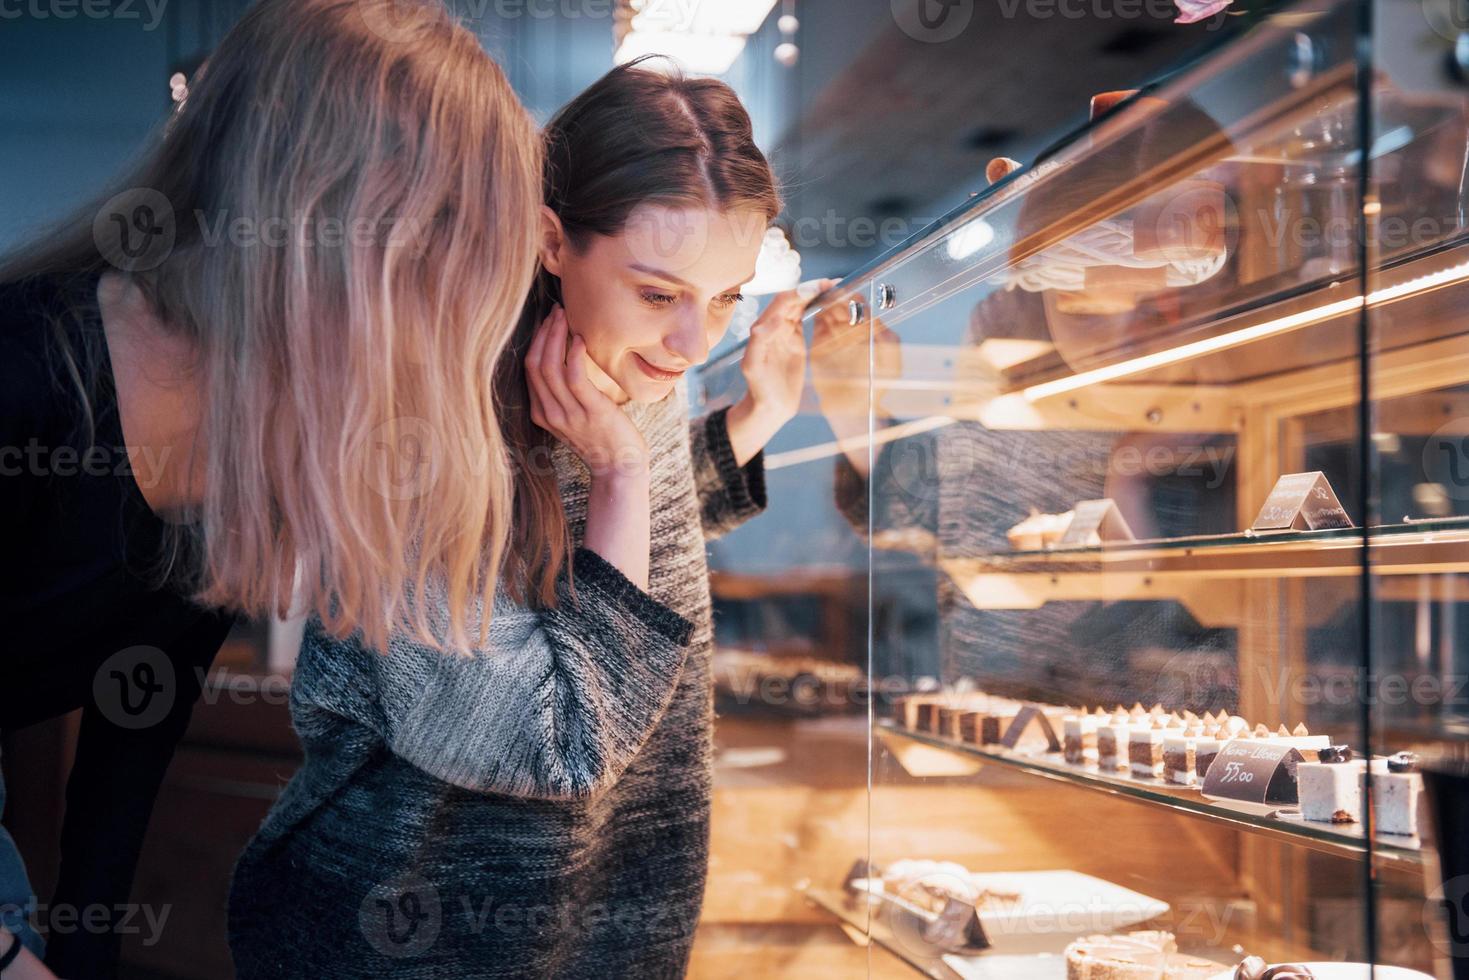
pixel 540 809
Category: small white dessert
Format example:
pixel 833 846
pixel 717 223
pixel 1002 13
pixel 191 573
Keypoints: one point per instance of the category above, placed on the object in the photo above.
pixel 1145 750
pixel 1331 790
pixel 1079 739
pixel 1112 738
pixel 1179 755
pixel 1396 786
pixel 1302 741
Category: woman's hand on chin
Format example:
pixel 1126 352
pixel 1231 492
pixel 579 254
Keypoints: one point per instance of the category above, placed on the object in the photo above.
pixel 565 403
pixel 775 373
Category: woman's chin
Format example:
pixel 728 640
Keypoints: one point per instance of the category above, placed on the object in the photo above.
pixel 645 390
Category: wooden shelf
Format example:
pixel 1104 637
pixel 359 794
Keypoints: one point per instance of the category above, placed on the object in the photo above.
pixel 921 754
pixel 1207 573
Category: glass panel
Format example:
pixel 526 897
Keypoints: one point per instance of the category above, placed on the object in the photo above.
pixel 1419 473
pixel 790 672
pixel 1085 388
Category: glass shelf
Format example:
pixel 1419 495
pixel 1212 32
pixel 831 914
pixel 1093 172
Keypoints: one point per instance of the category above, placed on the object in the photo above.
pixel 1417 531
pixel 1206 573
pixel 1258 819
pixel 855 915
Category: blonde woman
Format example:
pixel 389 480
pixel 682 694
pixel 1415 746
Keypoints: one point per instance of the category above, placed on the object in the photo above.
pixel 206 382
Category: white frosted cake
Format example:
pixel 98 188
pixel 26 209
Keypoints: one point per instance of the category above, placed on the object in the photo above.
pixel 1396 786
pixel 1331 790
pixel 1079 739
pixel 1112 739
pixel 1134 956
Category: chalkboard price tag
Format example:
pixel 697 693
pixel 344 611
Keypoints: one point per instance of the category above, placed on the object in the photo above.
pixel 1031 730
pixel 957 928
pixel 1095 521
pixel 1254 771
pixel 1302 502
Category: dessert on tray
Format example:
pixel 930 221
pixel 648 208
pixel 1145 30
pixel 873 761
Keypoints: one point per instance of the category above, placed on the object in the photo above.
pixel 1142 955
pixel 1396 786
pixel 1079 737
pixel 1331 788
pixel 1039 531
pixel 1156 744
pixel 930 884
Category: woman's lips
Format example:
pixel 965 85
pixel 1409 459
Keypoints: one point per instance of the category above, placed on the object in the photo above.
pixel 654 372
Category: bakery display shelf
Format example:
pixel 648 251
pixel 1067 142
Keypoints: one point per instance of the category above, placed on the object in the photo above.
pixel 1258 819
pixel 857 919
pixel 1396 549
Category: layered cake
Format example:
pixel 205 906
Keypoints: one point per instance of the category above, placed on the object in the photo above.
pixel 1112 742
pixel 1331 788
pixel 1396 786
pixel 1145 746
pixel 952 717
pixel 1134 956
pixel 1179 754
pixel 986 726
pixel 931 884
pixel 1079 739
pixel 913 709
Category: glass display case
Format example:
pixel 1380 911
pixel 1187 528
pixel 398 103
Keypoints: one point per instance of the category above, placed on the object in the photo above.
pixel 1151 465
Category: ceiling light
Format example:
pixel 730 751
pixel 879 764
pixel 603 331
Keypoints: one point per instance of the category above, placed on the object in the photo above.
pixel 699 54
pixel 1234 338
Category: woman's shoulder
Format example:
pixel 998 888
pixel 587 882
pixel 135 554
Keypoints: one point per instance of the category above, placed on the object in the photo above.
pixel 45 336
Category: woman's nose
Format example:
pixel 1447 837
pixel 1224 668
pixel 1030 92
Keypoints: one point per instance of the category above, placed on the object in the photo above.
pixel 690 342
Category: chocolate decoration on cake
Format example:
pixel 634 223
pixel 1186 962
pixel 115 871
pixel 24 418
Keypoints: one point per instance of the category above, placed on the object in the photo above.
pixel 1250 968
pixel 1288 971
pixel 957 928
pixel 1335 753
pixel 1402 762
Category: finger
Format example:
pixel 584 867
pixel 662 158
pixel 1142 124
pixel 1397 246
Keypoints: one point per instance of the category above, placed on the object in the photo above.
pixel 537 414
pixel 579 380
pixel 554 372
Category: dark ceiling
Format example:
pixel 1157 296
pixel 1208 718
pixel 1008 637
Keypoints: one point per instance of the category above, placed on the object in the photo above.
pixel 902 129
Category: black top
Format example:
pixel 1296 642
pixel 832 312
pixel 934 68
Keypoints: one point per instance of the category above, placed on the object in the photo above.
pixel 85 619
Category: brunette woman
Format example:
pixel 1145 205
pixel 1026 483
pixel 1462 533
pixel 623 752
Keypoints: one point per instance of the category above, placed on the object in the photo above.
pixel 539 806
pixel 198 378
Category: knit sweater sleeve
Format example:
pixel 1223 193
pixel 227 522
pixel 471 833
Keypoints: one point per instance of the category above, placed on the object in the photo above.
pixel 554 706
pixel 901 495
pixel 729 494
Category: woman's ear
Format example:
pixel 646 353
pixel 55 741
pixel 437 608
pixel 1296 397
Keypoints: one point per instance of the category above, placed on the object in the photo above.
pixel 553 241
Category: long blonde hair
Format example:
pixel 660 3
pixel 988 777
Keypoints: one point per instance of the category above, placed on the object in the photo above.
pixel 345 202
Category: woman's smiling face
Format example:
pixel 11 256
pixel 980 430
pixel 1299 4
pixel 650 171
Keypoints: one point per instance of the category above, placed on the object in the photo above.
pixel 652 301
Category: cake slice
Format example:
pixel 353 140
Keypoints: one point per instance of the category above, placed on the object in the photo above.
pixel 1331 789
pixel 1180 755
pixel 1079 739
pixel 1396 786
pixel 1145 751
pixel 1112 739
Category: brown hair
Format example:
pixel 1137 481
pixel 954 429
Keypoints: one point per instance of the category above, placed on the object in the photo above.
pixel 387 121
pixel 635 137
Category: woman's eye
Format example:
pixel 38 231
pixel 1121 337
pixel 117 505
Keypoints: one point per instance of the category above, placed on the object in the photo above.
pixel 730 299
pixel 659 299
